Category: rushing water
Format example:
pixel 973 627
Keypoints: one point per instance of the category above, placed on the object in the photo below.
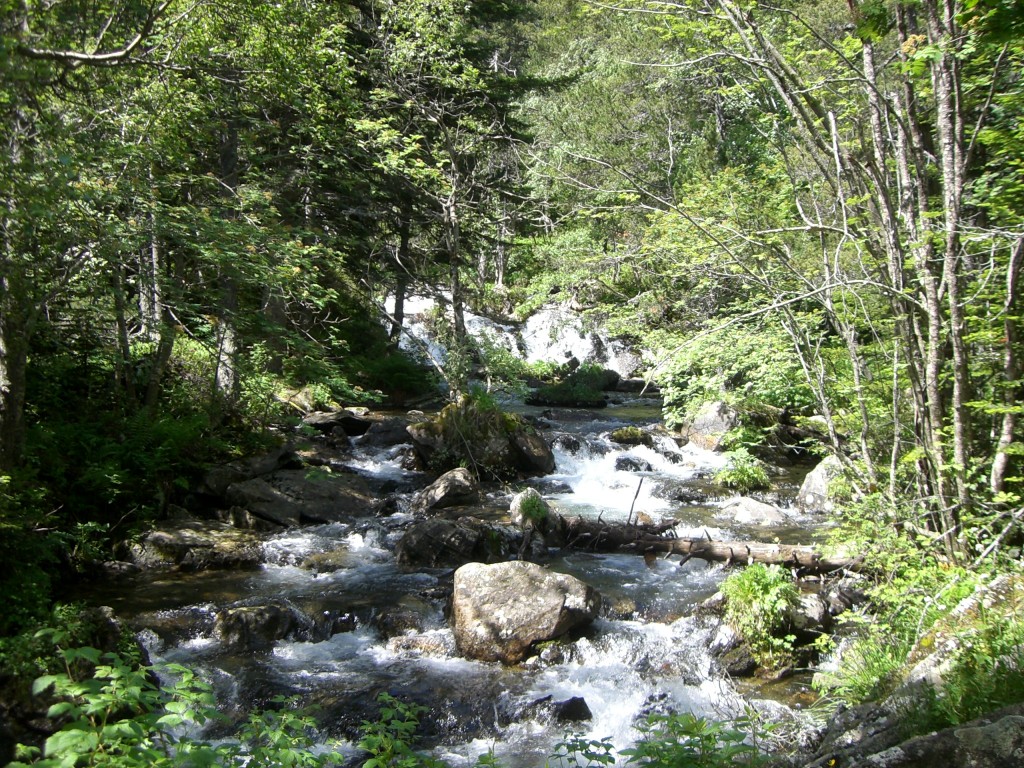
pixel 372 625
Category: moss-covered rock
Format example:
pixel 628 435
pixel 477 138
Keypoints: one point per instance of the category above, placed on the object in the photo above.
pixel 476 434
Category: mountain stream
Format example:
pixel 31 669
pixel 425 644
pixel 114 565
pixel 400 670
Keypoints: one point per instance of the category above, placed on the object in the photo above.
pixel 373 625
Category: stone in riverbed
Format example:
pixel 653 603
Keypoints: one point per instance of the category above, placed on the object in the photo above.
pixel 451 489
pixel 746 511
pixel 193 545
pixel 499 611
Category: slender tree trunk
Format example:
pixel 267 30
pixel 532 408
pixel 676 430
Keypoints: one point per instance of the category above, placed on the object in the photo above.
pixel 1011 371
pixel 401 280
pixel 124 366
pixel 13 382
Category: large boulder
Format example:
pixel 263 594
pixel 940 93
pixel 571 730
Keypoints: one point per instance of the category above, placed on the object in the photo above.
pixel 438 542
pixel 256 627
pixel 474 433
pixel 218 479
pixel 350 423
pixel 711 424
pixel 746 511
pixel 814 495
pixel 451 489
pixel 300 497
pixel 193 545
pixel 500 611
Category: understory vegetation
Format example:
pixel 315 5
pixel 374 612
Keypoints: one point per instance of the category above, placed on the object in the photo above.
pixel 810 211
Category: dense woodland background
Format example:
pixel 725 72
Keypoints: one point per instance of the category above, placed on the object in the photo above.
pixel 809 207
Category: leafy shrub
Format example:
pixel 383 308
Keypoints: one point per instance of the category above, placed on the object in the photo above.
pixel 118 715
pixel 689 741
pixel 743 472
pixel 749 365
pixel 582 387
pixel 388 739
pixel 760 598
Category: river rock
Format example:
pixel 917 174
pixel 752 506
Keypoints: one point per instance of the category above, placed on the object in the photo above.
pixel 627 463
pixel 300 497
pixel 218 479
pixel 438 542
pixel 810 616
pixel 709 427
pixel 257 627
pixel 814 494
pixel 350 423
pixel 528 508
pixel 746 511
pixel 453 488
pixel 873 736
pixel 194 545
pixel 499 611
pixel 533 453
pixel 385 433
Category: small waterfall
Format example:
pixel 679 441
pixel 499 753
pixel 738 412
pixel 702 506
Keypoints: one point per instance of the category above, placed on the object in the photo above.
pixel 554 334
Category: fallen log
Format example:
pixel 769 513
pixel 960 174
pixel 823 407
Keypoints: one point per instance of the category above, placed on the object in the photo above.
pixel 651 539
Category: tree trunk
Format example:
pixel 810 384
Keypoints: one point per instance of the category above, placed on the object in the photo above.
pixel 1011 371
pixel 583 533
pixel 13 371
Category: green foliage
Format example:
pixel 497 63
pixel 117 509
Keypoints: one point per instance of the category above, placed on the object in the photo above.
pixel 475 433
pixel 583 387
pixel 680 740
pixel 115 713
pixel 986 672
pixel 747 365
pixel 760 598
pixel 388 739
pixel 743 472
pixel 687 741
pixel 534 508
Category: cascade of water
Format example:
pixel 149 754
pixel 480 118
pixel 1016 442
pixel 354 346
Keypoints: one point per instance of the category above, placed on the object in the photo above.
pixel 344 585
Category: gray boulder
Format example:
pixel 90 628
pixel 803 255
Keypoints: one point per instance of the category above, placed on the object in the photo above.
pixel 348 422
pixel 300 497
pixel 453 488
pixel 439 542
pixel 499 611
pixel 746 511
pixel 710 425
pixel 193 545
pixel 256 628
pixel 814 494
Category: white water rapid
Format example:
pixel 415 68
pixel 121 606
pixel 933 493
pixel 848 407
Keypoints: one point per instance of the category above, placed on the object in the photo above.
pixel 363 624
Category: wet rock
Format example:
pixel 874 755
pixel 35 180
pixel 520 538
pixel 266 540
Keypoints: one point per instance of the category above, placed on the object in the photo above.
pixel 572 710
pixel 300 497
pixel 392 622
pixel 197 545
pixel 566 442
pixel 440 542
pixel 632 436
pixel 550 487
pixel 256 628
pixel 218 479
pixel 350 423
pixel 710 425
pixel 814 495
pixel 627 463
pixel 437 644
pixel 495 443
pixel 499 611
pixel 810 616
pixel 844 595
pixel 746 511
pixel 386 432
pixel 453 488
pixel 534 454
